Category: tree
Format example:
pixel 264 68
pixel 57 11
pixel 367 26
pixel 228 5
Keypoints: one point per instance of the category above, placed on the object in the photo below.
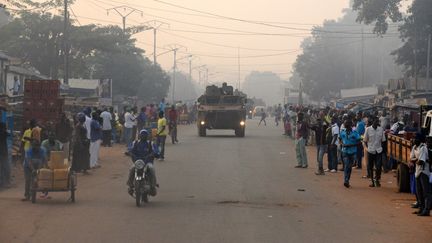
pixel 414 31
pixel 95 52
pixel 264 85
pixel 185 89
pixel 331 58
pixel 378 11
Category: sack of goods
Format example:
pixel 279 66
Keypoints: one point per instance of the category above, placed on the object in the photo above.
pixel 45 179
pixel 61 179
pixel 57 160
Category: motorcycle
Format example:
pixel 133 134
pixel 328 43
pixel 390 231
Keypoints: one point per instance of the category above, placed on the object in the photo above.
pixel 142 182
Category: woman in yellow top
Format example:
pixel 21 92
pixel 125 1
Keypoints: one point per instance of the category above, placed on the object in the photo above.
pixel 162 133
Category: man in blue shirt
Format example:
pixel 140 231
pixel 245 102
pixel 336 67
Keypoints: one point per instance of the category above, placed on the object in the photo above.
pixel 145 150
pixel 349 141
pixel 35 159
pixel 360 128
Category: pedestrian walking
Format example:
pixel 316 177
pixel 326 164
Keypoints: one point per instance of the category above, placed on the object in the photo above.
pixel 106 127
pixel 162 132
pixel 360 128
pixel 95 140
pixel 263 118
pixel 301 137
pixel 349 140
pixel 373 139
pixel 332 137
pixel 81 145
pixel 173 117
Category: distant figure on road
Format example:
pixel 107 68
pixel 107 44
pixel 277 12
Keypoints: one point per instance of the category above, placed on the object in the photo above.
pixel 263 117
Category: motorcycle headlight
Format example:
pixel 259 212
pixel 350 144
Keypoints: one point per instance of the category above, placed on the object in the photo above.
pixel 202 123
pixel 242 123
pixel 139 164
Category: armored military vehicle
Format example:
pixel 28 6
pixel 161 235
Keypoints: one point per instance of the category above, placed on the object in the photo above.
pixel 222 108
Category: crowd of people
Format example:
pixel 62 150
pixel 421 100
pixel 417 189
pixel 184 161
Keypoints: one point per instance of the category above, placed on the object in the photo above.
pixel 350 138
pixel 81 135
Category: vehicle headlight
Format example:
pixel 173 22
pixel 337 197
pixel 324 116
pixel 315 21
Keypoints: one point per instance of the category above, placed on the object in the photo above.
pixel 250 111
pixel 139 164
pixel 242 123
pixel 202 123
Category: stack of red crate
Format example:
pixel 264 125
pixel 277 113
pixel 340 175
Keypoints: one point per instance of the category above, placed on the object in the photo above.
pixel 42 100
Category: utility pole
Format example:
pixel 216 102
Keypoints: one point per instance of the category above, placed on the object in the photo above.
pixel 362 58
pixel 126 12
pixel 66 44
pixel 415 56
pixel 428 67
pixel 190 68
pixel 150 25
pixel 174 48
pixel 239 69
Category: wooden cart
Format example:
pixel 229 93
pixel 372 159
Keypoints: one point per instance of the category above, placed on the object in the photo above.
pixel 41 183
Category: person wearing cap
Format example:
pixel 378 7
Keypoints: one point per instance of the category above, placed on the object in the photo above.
pixel 162 133
pixel 349 140
pixel 420 156
pixel 35 159
pixel 145 150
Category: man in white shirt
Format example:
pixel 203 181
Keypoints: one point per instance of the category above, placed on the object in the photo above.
pixel 88 120
pixel 106 128
pixel 373 138
pixel 128 127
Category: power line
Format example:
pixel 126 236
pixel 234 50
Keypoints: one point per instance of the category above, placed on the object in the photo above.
pixel 76 18
pixel 249 21
pixel 215 17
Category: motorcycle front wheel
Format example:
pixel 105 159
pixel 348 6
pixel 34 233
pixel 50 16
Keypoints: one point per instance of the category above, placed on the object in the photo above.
pixel 138 196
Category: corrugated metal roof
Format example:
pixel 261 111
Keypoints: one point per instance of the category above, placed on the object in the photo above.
pixel 3 56
pixel 360 92
pixel 26 71
pixel 83 83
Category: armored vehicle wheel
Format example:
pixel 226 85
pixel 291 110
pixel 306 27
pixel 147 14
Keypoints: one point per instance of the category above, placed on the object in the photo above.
pixel 202 132
pixel 240 132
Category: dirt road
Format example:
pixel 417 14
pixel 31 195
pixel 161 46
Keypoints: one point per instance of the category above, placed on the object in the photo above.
pixel 218 189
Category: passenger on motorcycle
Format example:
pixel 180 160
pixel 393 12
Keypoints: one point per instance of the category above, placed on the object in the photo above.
pixel 143 149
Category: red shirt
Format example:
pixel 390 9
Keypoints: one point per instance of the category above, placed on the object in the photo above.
pixel 172 115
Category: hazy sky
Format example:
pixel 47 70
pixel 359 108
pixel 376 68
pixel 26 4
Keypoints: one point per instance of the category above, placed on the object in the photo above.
pixel 221 61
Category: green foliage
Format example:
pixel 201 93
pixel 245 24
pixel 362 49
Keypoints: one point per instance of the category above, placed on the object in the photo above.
pixel 378 11
pixel 414 31
pixel 331 61
pixel 95 52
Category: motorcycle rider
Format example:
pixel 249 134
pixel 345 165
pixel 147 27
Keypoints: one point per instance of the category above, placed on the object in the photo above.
pixel 143 149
